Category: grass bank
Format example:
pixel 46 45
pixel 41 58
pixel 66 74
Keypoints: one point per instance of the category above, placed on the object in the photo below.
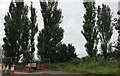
pixel 86 67
pixel 20 67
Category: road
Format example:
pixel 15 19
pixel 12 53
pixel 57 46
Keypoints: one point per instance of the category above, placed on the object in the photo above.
pixel 47 73
pixel 62 75
pixel 50 75
pixel 56 73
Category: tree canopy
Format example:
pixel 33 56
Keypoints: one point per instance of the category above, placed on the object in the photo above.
pixel 105 28
pixel 90 31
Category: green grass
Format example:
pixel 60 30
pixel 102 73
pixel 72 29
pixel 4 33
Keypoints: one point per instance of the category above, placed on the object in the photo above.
pixel 20 67
pixel 87 67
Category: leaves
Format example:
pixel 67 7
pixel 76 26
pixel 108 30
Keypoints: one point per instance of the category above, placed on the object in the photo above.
pixel 90 31
pixel 19 31
pixel 104 26
pixel 49 39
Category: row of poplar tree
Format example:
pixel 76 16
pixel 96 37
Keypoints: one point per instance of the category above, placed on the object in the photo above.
pixel 21 28
pixel 98 28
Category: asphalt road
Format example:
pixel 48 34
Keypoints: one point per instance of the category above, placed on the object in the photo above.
pixel 49 75
pixel 56 73
pixel 62 75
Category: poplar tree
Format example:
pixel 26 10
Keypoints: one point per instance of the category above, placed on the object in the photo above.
pixel 33 30
pixel 12 30
pixel 105 28
pixel 90 31
pixel 51 35
pixel 20 32
pixel 29 29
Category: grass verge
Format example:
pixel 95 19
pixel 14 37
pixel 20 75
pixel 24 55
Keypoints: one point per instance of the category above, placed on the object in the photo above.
pixel 86 67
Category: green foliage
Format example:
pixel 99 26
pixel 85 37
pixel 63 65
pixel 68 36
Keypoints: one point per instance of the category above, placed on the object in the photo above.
pixel 62 53
pixel 105 28
pixel 49 39
pixel 33 30
pixel 90 31
pixel 51 35
pixel 20 67
pixel 12 30
pixel 24 34
pixel 117 27
pixel 71 52
pixel 116 54
pixel 30 31
pixel 19 31
pixel 65 53
pixel 87 67
pixel 75 61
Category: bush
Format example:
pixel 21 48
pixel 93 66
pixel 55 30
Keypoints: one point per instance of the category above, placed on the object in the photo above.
pixel 75 61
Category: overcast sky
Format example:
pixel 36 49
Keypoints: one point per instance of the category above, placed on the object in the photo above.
pixel 73 12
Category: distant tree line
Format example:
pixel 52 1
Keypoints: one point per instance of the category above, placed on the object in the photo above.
pixel 20 30
pixel 98 28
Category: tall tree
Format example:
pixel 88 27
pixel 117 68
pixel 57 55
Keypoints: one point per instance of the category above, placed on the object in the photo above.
pixel 24 35
pixel 12 24
pixel 52 34
pixel 33 30
pixel 105 27
pixel 90 31
pixel 28 30
pixel 20 31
